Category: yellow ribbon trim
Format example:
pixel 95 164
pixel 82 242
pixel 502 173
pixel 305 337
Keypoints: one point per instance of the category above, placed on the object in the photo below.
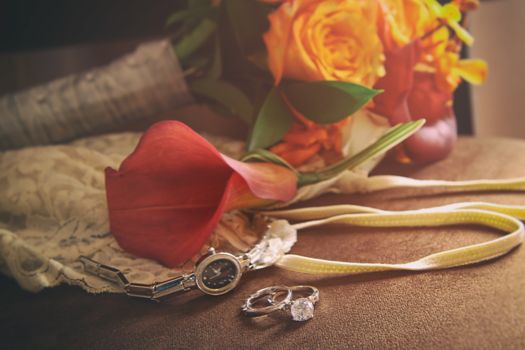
pixel 383 182
pixel 505 218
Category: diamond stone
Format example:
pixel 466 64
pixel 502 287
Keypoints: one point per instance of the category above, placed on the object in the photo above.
pixel 302 309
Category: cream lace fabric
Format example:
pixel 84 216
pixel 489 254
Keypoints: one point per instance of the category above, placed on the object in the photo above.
pixel 53 209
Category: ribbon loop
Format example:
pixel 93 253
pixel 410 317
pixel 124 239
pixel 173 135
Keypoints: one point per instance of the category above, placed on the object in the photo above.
pixel 454 214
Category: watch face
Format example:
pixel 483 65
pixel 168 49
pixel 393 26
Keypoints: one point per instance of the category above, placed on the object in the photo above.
pixel 219 273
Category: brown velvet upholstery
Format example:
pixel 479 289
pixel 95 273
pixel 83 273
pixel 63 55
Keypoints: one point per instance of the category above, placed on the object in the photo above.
pixel 481 306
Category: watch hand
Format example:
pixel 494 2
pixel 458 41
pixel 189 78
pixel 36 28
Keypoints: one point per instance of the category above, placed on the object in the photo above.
pixel 217 275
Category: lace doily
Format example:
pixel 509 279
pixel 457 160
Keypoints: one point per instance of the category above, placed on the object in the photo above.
pixel 53 209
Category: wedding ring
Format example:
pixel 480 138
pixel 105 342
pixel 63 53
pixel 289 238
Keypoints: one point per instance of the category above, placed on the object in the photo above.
pixel 269 295
pixel 300 309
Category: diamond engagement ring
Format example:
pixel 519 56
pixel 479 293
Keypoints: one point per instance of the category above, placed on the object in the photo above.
pixel 302 309
pixel 281 298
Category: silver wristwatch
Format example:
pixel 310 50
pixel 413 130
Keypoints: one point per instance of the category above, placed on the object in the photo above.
pixel 214 274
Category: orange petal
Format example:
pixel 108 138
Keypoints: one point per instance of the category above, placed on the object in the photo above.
pixel 472 70
pixel 277 38
pixel 299 156
pixel 306 137
pixel 462 33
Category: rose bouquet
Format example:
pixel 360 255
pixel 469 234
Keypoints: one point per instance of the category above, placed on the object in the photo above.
pixel 323 87
pixel 295 71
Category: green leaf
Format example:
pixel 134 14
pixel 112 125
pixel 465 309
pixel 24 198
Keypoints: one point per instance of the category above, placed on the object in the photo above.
pixel 390 139
pixel 188 15
pixel 263 155
pixel 225 94
pixel 198 63
pixel 248 21
pixel 327 102
pixel 259 60
pixel 273 121
pixel 215 70
pixel 177 17
pixel 195 39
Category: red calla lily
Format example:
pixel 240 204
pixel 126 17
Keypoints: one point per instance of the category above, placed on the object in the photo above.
pixel 410 95
pixel 169 194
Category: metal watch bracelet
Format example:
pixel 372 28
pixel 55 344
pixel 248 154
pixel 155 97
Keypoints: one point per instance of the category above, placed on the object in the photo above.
pixel 197 279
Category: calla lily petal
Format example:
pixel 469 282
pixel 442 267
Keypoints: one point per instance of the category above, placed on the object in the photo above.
pixel 265 180
pixel 169 194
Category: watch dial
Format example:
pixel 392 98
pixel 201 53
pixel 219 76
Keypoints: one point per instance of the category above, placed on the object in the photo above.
pixel 219 273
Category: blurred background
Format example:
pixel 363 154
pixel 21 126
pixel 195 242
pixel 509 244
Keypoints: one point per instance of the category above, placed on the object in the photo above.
pixel 43 40
pixel 499 29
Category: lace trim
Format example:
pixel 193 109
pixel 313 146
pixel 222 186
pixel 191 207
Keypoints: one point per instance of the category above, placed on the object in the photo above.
pixel 53 209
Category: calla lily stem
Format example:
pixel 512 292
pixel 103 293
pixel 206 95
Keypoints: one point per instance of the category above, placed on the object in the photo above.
pixel 389 140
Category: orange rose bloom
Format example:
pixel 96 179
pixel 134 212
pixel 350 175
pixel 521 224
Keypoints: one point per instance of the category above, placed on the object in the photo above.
pixel 407 20
pixel 325 40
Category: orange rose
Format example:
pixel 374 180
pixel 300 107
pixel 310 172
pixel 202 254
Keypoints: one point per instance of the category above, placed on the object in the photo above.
pixel 325 40
pixel 407 20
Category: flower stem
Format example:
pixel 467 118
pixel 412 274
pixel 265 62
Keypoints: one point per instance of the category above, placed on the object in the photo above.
pixel 194 40
pixel 392 138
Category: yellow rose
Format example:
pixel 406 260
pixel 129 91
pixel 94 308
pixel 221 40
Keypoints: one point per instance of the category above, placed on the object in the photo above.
pixel 325 40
